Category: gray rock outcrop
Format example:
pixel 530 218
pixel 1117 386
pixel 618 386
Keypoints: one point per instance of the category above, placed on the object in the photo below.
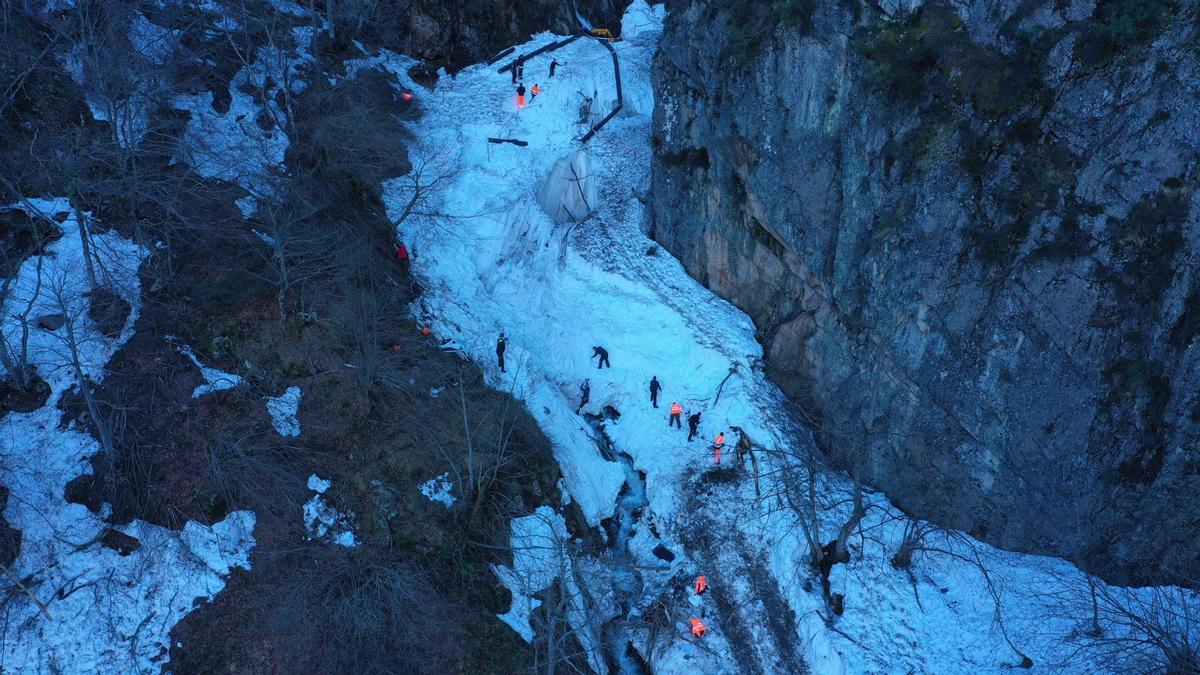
pixel 968 234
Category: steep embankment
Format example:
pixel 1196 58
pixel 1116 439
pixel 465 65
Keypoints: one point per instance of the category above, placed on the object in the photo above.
pixel 968 239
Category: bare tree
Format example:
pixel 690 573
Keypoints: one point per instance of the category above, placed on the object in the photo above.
pixel 71 306
pixel 1128 630
pixel 360 610
pixel 298 249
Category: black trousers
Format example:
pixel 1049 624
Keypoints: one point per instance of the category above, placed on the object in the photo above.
pixel 500 357
pixel 691 432
pixel 674 421
pixel 603 362
pixel 654 398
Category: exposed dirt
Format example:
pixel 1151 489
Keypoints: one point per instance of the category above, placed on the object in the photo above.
pixel 10 537
pixel 108 312
pixel 16 396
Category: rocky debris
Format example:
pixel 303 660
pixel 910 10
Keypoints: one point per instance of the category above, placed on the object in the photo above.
pixel 968 237
pixel 120 542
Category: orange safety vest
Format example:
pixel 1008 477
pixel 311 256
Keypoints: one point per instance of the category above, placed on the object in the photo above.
pixel 698 628
pixel 701 585
pixel 676 409
pixel 535 90
pixel 719 440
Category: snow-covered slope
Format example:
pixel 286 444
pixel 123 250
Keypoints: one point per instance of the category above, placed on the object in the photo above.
pixel 501 263
pixel 101 610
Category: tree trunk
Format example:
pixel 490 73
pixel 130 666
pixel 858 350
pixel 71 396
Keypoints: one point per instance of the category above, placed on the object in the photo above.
pixel 85 240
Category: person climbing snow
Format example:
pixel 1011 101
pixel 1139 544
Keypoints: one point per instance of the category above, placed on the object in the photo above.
pixel 718 444
pixel 520 95
pixel 585 393
pixel 603 354
pixel 501 345
pixel 534 92
pixel 676 411
pixel 698 628
pixel 701 585
pixel 655 387
pixel 554 64
pixel 693 425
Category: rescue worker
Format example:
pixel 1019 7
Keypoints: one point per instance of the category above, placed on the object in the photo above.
pixel 521 69
pixel 501 345
pixel 534 92
pixel 402 257
pixel 676 411
pixel 603 354
pixel 743 446
pixel 693 424
pixel 520 96
pixel 585 392
pixel 553 66
pixel 516 68
pixel 701 585
pixel 718 443
pixel 698 628
pixel 655 387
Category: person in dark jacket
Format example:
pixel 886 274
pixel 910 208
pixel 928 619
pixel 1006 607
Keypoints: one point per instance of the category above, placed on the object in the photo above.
pixel 655 387
pixel 603 354
pixel 520 95
pixel 693 425
pixel 553 66
pixel 585 393
pixel 501 345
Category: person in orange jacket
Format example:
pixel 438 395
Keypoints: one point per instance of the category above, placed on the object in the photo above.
pixel 718 444
pixel 676 415
pixel 698 628
pixel 534 92
pixel 701 585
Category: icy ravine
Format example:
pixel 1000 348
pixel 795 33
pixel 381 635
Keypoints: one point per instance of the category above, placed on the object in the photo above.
pixel 107 612
pixel 559 290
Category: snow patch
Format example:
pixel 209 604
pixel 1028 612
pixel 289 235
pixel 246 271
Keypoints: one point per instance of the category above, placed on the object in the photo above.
pixel 214 380
pixel 541 556
pixel 437 489
pixel 283 410
pixel 323 521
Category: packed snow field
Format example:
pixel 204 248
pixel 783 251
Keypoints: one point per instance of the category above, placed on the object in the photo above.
pixel 97 609
pixel 502 263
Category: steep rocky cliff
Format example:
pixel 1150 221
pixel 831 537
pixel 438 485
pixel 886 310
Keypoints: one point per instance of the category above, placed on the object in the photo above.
pixel 968 233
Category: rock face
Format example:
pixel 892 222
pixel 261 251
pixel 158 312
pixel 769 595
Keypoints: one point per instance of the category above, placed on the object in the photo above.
pixel 460 33
pixel 969 237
